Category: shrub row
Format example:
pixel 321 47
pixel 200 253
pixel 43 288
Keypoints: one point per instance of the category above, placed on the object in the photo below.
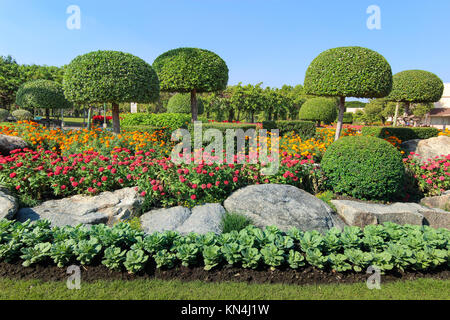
pixel 161 120
pixel 388 247
pixel 305 129
pixel 404 134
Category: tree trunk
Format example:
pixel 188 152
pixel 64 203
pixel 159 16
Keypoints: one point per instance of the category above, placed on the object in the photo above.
pixel 90 118
pixel 116 119
pixel 340 118
pixel 396 113
pixel 231 115
pixel 194 109
pixel 47 114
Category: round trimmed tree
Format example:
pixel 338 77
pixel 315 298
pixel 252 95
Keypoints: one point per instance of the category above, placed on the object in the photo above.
pixel 319 109
pixel 348 72
pixel 191 70
pixel 415 86
pixel 110 77
pixel 42 94
pixel 181 103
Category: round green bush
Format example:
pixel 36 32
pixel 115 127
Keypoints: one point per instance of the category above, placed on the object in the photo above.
pixel 364 167
pixel 22 115
pixel 349 72
pixel 181 103
pixel 319 109
pixel 3 114
pixel 43 94
pixel 110 76
pixel 416 86
pixel 188 69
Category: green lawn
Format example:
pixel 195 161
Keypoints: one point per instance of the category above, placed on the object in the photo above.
pixel 423 289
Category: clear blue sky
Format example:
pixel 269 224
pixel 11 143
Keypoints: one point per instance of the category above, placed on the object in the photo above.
pixel 270 41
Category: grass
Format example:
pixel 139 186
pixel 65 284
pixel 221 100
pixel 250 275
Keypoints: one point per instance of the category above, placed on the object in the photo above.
pixel 234 222
pixel 422 289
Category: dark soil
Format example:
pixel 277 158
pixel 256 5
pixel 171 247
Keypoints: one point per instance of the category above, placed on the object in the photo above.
pixel 288 276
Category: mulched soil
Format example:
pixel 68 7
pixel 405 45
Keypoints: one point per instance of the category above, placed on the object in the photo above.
pixel 288 276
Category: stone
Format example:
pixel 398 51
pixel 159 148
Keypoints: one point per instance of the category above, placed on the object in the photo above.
pixel 361 214
pixel 10 143
pixel 204 219
pixel 200 220
pixel 283 206
pixel 437 219
pixel 164 219
pixel 8 205
pixel 428 148
pixel 107 208
pixel 441 202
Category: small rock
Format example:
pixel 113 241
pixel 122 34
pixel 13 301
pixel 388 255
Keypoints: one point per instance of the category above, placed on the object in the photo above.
pixel 164 219
pixel 441 202
pixel 10 143
pixel 437 219
pixel 8 205
pixel 204 219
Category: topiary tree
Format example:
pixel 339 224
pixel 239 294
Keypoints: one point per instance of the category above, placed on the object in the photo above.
pixel 348 72
pixel 319 109
pixel 110 77
pixel 415 86
pixel 181 103
pixel 191 70
pixel 42 94
pixel 364 167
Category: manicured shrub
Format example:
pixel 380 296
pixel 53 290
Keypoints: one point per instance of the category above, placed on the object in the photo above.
pixel 305 129
pixel 348 118
pixel 401 133
pixel 191 70
pixel 348 72
pixel 181 103
pixel 110 76
pixel 22 115
pixel 320 110
pixel 171 121
pixel 365 168
pixel 223 127
pixel 3 114
pixel 44 94
pixel 355 104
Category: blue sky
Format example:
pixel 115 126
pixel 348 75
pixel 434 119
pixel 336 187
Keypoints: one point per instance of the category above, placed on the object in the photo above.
pixel 270 41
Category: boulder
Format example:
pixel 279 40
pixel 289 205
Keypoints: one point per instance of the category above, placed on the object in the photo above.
pixel 283 206
pixel 201 219
pixel 437 219
pixel 361 214
pixel 107 208
pixel 441 202
pixel 10 143
pixel 429 148
pixel 8 205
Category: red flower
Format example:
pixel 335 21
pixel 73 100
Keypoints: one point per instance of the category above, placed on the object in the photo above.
pixel 13 175
pixel 193 197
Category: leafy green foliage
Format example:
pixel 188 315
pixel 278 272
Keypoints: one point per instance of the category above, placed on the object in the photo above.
pixel 416 86
pixel 181 103
pixel 44 94
pixel 319 109
pixel 21 115
pixel 172 121
pixel 305 129
pixel 234 221
pixel 135 261
pixel 364 167
pixel 114 257
pixel 349 72
pixel 404 134
pixel 3 114
pixel 188 69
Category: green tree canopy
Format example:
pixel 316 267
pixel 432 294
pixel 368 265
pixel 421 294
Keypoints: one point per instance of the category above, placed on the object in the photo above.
pixel 319 109
pixel 9 80
pixel 181 103
pixel 191 70
pixel 110 77
pixel 348 72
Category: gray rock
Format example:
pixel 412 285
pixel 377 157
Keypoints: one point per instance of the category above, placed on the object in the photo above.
pixel 204 219
pixel 201 220
pixel 107 208
pixel 8 205
pixel 164 219
pixel 441 202
pixel 437 219
pixel 283 206
pixel 361 214
pixel 428 148
pixel 10 143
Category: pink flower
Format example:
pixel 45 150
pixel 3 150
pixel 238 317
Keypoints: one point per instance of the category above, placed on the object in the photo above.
pixel 193 197
pixel 63 187
pixel 143 194
pixel 13 175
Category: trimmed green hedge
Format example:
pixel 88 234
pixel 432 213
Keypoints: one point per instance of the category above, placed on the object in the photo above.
pixel 319 109
pixel 22 115
pixel 305 129
pixel 404 134
pixel 348 118
pixel 181 103
pixel 161 120
pixel 224 126
pixel 364 167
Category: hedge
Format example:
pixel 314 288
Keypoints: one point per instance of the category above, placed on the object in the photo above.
pixel 305 129
pixel 404 134
pixel 319 109
pixel 161 120
pixel 181 103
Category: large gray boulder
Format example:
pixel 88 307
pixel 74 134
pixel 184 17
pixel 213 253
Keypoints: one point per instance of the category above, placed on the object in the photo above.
pixel 429 148
pixel 201 219
pixel 8 205
pixel 361 214
pixel 283 206
pixel 10 143
pixel 441 202
pixel 107 208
